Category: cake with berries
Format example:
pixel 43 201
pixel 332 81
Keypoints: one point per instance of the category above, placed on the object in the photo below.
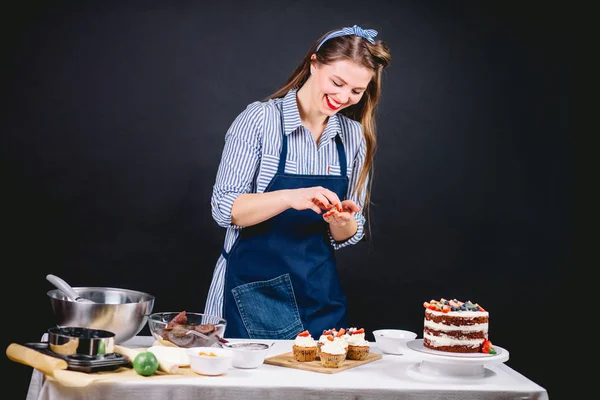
pixel 456 326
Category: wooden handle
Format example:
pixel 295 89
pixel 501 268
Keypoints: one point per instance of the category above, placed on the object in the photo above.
pixel 163 365
pixel 33 358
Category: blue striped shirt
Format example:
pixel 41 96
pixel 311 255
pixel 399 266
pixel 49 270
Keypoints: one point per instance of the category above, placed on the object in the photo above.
pixel 251 156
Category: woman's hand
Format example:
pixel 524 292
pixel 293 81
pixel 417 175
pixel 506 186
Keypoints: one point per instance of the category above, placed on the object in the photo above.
pixel 341 214
pixel 316 198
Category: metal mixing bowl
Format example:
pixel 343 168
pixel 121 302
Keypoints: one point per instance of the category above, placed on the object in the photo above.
pixel 120 311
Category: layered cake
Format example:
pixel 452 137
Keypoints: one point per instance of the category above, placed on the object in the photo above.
pixel 456 326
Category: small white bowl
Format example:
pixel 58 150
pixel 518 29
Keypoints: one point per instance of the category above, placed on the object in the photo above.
pixel 248 354
pixel 393 341
pixel 210 365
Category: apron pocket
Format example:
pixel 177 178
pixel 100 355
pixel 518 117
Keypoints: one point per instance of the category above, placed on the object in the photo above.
pixel 268 308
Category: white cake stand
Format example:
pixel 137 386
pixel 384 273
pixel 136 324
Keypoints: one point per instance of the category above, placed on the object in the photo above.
pixel 442 364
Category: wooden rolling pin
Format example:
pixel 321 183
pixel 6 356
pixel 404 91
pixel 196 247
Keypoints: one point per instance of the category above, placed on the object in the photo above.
pixel 33 358
pixel 163 365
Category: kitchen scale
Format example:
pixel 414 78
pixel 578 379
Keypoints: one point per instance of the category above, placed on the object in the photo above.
pixel 84 362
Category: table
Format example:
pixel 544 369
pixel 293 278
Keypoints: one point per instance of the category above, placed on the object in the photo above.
pixel 392 377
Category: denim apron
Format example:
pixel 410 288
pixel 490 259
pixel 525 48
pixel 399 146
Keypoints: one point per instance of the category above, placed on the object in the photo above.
pixel 281 276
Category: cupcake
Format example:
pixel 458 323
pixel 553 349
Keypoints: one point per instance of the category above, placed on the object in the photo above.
pixel 305 347
pixel 323 338
pixel 358 347
pixel 332 353
pixel 335 334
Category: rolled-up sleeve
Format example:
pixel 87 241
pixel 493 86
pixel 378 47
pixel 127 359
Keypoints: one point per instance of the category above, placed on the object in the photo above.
pixel 239 162
pixel 357 165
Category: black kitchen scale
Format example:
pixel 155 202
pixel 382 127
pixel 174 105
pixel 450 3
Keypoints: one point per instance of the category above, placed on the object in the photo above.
pixel 84 362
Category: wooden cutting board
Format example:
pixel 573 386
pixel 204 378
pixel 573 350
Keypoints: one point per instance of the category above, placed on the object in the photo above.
pixel 287 360
pixel 56 368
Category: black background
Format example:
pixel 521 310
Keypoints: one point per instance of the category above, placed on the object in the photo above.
pixel 115 122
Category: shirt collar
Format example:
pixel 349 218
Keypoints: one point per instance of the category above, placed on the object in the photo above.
pixel 291 117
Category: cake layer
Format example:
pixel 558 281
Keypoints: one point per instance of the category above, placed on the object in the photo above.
pixel 453 326
pixel 463 347
pixel 457 317
pixel 456 335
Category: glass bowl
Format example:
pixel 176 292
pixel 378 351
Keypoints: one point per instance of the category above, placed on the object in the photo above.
pixel 187 329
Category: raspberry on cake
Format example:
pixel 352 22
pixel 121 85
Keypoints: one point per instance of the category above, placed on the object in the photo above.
pixel 456 326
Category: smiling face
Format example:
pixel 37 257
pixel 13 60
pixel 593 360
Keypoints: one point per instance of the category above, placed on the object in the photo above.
pixel 338 85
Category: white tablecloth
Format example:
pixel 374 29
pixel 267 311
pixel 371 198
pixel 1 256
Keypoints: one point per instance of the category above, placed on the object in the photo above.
pixel 392 377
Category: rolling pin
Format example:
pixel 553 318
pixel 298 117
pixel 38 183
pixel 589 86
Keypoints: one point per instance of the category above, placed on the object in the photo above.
pixel 33 358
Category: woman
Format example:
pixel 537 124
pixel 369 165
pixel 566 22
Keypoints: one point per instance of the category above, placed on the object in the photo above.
pixel 290 189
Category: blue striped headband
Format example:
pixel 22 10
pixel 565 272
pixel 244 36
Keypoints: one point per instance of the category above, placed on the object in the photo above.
pixel 368 34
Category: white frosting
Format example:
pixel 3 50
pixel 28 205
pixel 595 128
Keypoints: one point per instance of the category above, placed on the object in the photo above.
pixel 463 328
pixel 357 336
pixel 323 338
pixel 305 341
pixel 444 340
pixel 356 340
pixel 334 347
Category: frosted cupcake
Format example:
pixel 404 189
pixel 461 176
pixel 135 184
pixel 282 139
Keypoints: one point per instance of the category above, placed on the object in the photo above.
pixel 358 347
pixel 305 347
pixel 332 353
pixel 323 338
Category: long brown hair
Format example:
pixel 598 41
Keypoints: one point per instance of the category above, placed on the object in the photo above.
pixel 360 51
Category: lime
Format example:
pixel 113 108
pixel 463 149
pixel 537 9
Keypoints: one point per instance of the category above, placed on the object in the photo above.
pixel 145 363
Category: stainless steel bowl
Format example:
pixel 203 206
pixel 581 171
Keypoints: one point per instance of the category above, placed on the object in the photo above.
pixel 120 311
pixel 81 341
